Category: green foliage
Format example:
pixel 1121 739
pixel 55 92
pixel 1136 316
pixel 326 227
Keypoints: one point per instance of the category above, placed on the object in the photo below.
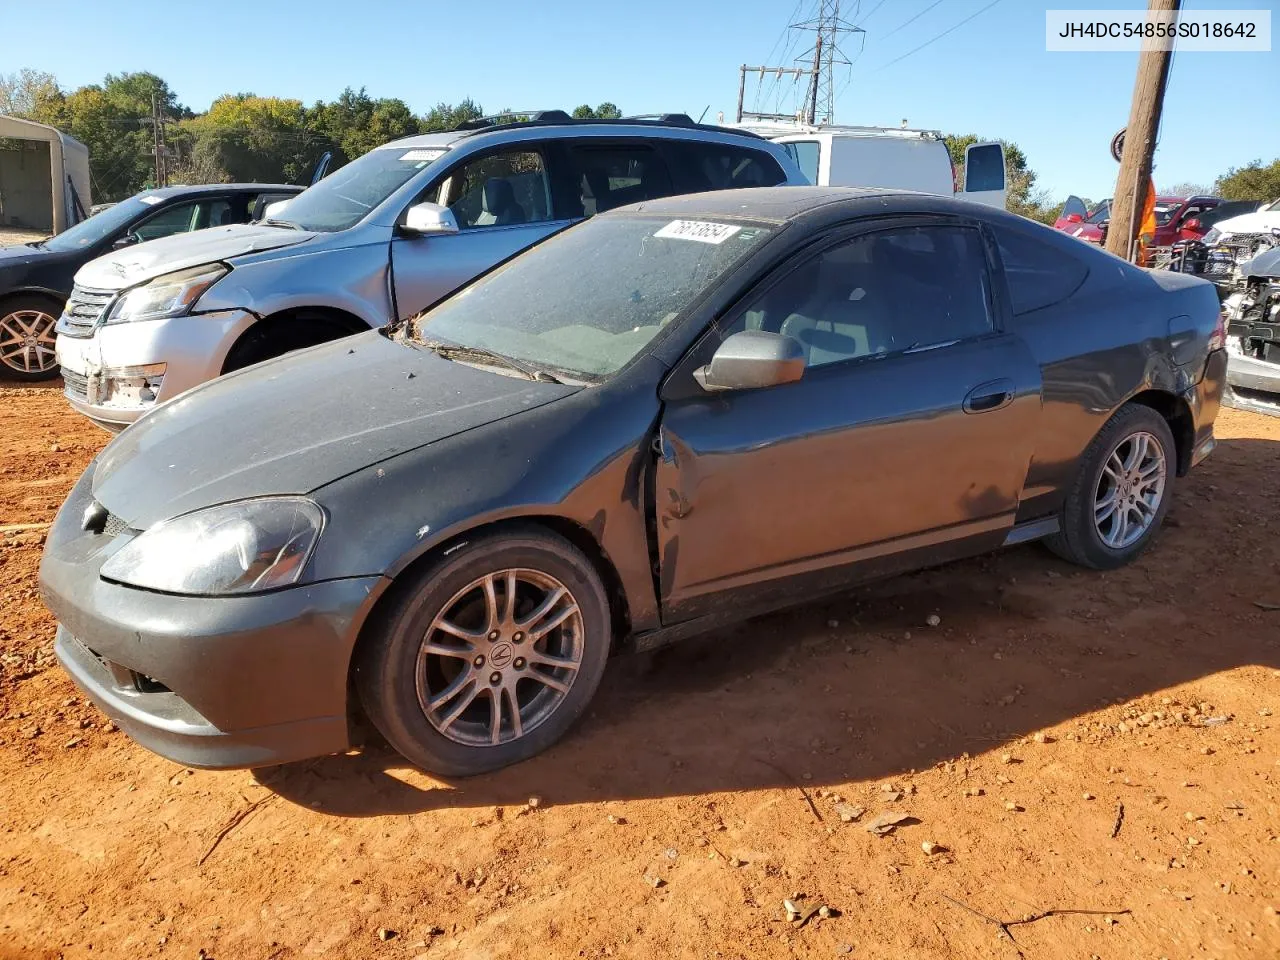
pixel 606 111
pixel 1252 182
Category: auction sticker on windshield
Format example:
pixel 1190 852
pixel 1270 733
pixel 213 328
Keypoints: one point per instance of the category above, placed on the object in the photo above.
pixel 702 231
pixel 421 155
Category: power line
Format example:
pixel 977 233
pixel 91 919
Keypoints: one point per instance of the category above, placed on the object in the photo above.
pixel 912 20
pixel 863 19
pixel 939 36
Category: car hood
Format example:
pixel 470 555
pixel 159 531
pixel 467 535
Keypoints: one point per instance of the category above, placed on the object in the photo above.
pixel 1265 264
pixel 296 423
pixel 133 265
pixel 20 255
pixel 1250 222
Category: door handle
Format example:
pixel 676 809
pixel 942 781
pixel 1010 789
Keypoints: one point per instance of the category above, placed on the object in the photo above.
pixel 989 396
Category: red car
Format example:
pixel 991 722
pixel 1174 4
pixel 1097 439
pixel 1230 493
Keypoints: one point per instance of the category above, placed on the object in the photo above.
pixel 1177 218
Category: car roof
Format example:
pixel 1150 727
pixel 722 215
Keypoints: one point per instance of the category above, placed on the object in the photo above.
pixel 555 129
pixel 197 189
pixel 776 204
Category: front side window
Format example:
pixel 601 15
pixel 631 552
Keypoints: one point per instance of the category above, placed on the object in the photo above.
pixel 609 177
pixel 180 218
pixel 499 190
pixel 882 293
pixel 805 154
pixel 618 282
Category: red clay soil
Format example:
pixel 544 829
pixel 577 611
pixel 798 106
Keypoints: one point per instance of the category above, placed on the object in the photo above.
pixel 1070 741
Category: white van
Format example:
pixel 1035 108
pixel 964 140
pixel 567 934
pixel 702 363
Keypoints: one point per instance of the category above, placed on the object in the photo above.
pixel 894 157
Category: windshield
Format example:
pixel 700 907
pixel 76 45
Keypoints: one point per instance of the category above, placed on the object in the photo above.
pixel 343 198
pixel 588 300
pixel 88 232
pixel 1165 211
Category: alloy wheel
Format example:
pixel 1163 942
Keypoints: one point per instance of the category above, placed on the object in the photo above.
pixel 500 657
pixel 27 341
pixel 1130 489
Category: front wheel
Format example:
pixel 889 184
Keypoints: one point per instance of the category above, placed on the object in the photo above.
pixel 489 656
pixel 1121 492
pixel 27 338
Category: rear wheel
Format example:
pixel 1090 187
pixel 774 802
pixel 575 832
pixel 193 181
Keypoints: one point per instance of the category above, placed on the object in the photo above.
pixel 27 338
pixel 489 656
pixel 1121 493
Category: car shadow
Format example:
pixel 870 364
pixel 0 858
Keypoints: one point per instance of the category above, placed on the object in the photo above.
pixel 862 687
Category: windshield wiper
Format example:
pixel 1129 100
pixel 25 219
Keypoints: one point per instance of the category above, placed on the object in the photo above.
pixel 453 351
pixel 288 224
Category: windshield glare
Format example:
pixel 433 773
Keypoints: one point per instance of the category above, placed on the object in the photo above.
pixel 345 197
pixel 88 232
pixel 590 299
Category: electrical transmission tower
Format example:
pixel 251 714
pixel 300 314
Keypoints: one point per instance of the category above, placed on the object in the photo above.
pixel 819 106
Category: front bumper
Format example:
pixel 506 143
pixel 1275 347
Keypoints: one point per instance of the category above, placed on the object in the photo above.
pixel 1250 373
pixel 124 370
pixel 205 681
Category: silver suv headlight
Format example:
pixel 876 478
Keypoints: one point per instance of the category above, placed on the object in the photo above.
pixel 169 295
pixel 233 548
pixel 1212 237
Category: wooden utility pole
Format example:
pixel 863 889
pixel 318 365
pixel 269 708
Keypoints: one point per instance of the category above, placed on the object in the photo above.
pixel 1134 178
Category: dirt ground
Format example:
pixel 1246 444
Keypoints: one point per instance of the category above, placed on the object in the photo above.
pixel 12 236
pixel 1101 744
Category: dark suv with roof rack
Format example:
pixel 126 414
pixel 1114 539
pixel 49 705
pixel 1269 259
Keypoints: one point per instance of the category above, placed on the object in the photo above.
pixel 382 238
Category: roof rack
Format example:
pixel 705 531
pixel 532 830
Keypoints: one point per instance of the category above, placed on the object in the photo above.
pixel 504 120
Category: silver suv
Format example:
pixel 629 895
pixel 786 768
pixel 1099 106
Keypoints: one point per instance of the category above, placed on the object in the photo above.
pixel 381 238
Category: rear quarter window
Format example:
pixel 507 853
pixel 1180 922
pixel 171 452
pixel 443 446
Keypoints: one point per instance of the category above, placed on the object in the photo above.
pixel 1038 273
pixel 717 166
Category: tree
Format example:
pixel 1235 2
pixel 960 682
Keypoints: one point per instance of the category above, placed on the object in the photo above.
pixel 445 116
pixel 356 123
pixel 1252 182
pixel 22 93
pixel 1189 190
pixel 606 111
pixel 252 138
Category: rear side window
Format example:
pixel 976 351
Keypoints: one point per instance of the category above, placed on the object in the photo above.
pixel 716 166
pixel 608 177
pixel 1039 274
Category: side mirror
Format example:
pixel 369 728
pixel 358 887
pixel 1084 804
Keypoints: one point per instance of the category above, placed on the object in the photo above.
pixel 751 359
pixel 428 218
pixel 128 240
pixel 1074 218
pixel 1192 224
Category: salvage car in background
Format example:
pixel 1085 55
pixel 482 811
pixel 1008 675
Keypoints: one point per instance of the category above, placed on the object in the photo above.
pixel 36 278
pixel 685 410
pixel 1084 224
pixel 379 239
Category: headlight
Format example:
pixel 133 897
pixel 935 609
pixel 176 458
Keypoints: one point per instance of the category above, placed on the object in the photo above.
pixel 1212 237
pixel 235 548
pixel 171 295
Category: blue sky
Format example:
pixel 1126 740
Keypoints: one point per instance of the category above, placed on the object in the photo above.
pixel 990 76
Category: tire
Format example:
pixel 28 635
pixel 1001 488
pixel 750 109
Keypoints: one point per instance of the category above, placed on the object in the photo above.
pixel 27 338
pixel 1084 540
pixel 405 687
pixel 267 340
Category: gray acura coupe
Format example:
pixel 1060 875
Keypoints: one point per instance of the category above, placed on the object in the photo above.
pixel 677 413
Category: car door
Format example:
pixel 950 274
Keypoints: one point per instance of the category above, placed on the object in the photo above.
pixel 502 202
pixel 907 440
